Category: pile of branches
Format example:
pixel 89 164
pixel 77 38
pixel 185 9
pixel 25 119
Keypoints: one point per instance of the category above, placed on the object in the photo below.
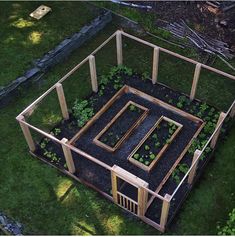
pixel 204 43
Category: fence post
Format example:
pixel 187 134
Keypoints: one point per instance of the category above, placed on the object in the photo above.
pixel 216 135
pixel 165 211
pixel 142 200
pixel 62 101
pixel 156 51
pixel 93 74
pixel 195 80
pixel 114 185
pixel 68 156
pixel 192 173
pixel 119 47
pixel 27 133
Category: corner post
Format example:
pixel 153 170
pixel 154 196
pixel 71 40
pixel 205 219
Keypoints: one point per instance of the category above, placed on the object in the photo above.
pixel 216 135
pixel 192 173
pixel 165 211
pixel 93 74
pixel 156 51
pixel 68 156
pixel 195 80
pixel 62 101
pixel 27 133
pixel 119 47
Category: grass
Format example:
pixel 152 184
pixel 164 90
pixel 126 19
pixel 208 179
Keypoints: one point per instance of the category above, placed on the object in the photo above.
pixel 48 203
pixel 25 39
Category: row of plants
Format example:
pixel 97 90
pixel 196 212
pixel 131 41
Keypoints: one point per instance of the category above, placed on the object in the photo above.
pixel 155 142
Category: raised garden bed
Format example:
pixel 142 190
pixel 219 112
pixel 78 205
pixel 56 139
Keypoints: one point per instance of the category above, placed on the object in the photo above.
pixel 121 126
pixel 155 143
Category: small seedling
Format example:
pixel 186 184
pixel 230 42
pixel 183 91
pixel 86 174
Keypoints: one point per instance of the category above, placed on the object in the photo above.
pixel 136 156
pixel 147 162
pixel 146 147
pixel 141 160
pixel 179 105
pixel 132 108
pixel 152 156
pixel 154 136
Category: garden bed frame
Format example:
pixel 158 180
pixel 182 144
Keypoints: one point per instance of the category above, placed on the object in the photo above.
pixel 129 131
pixel 164 148
pixel 142 186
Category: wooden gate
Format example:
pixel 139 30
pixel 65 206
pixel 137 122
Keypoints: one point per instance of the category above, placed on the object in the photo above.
pixel 128 191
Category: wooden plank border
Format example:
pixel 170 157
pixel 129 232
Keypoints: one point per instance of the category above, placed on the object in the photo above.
pixel 161 152
pixel 99 143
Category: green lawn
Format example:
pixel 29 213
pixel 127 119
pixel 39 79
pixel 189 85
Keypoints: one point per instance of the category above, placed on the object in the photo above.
pixel 48 203
pixel 24 39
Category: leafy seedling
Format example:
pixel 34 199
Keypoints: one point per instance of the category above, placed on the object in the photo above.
pixel 152 156
pixel 136 156
pixel 146 147
pixel 147 163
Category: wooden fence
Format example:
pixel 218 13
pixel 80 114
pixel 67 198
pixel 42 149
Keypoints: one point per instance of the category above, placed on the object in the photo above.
pixel 120 199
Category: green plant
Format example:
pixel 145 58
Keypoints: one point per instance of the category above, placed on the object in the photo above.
pixel 229 228
pixel 82 112
pixel 136 156
pixel 141 160
pixel 152 156
pixel 175 176
pixel 170 101
pixel 57 131
pixel 146 147
pixel 154 136
pixel 145 76
pixel 204 107
pixel 147 162
pixel 132 108
pixel 179 105
pixel 183 168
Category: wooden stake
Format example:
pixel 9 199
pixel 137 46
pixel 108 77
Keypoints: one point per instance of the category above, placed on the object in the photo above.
pixel 192 173
pixel 62 101
pixel 114 186
pixel 216 135
pixel 94 82
pixel 156 51
pixel 27 133
pixel 119 48
pixel 195 80
pixel 165 211
pixel 68 156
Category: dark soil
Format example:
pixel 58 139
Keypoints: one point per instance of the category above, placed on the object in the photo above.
pixel 100 177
